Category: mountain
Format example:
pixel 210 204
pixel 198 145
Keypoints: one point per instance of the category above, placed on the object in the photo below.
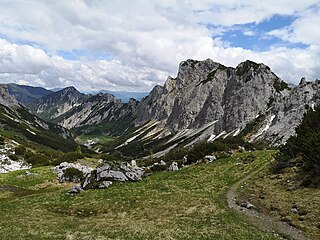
pixel 18 124
pixel 57 103
pixel 101 113
pixel 205 101
pixel 26 94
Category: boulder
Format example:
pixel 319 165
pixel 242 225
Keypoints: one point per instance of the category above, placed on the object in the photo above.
pixel 210 158
pixel 173 167
pixel 111 175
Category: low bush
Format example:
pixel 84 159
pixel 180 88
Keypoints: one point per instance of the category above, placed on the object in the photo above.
pixel 2 140
pixel 38 160
pixel 20 150
pixel 69 157
pixel 73 174
pixel 14 157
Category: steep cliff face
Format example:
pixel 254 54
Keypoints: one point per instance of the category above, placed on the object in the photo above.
pixel 225 99
pixel 5 98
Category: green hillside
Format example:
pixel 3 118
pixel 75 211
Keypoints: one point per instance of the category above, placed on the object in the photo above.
pixel 187 204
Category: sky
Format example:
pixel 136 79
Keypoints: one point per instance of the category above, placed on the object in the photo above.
pixel 133 45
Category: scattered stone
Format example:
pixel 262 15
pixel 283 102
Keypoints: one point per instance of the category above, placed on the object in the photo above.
pixel 162 163
pixel 210 158
pixel 247 205
pixel 294 210
pixel 133 163
pixel 105 184
pixel 173 167
pixel 75 189
pixel 185 159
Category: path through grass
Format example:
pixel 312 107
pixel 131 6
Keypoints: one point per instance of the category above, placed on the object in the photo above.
pixel 186 204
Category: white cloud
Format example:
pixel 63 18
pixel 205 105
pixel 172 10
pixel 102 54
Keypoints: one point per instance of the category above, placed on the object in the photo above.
pixel 303 30
pixel 145 40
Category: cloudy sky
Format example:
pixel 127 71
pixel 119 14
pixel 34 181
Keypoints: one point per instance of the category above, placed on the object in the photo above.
pixel 132 45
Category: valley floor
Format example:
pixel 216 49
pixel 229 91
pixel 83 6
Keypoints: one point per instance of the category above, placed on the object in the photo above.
pixel 186 204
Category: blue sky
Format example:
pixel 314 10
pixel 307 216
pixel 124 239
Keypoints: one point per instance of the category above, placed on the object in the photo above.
pixel 118 45
pixel 254 36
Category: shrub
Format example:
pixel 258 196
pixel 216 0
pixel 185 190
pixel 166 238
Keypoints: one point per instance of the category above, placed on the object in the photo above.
pixel 20 150
pixel 2 140
pixel 303 149
pixel 14 157
pixel 72 174
pixel 69 157
pixel 38 160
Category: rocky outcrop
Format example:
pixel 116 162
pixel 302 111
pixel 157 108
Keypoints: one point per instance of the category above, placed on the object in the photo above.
pixel 104 176
pixel 60 170
pixel 5 98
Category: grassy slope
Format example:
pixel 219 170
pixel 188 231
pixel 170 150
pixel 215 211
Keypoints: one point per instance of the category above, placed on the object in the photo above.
pixel 277 194
pixel 187 204
pixel 97 138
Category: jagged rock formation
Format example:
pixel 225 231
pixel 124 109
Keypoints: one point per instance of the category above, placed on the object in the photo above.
pixel 55 104
pixel 72 109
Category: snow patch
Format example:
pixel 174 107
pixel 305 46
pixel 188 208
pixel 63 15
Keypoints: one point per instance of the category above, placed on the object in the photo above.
pixel 214 137
pixel 31 132
pixel 264 129
pixel 313 106
pixel 236 133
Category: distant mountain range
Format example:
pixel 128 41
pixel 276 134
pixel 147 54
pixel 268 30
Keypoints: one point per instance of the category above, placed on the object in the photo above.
pixel 123 95
pixel 28 94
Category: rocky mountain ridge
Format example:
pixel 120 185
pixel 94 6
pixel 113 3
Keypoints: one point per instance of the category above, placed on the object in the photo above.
pixel 206 100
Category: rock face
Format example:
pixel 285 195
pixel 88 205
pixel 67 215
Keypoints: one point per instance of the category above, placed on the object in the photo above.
pixel 225 99
pixel 5 98
pixel 72 109
pixel 104 176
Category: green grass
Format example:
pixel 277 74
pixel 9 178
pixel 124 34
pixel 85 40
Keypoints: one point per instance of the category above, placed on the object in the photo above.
pixel 187 204
pixel 103 139
pixel 277 194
